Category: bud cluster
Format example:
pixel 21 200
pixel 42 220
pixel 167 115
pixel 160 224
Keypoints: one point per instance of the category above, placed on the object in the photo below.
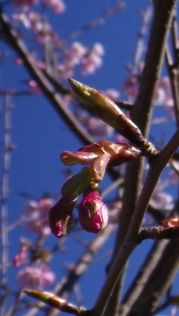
pixel 96 158
pixel 93 213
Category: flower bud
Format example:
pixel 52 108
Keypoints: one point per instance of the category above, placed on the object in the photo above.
pixel 60 216
pixel 93 213
pixel 55 301
pixel 108 111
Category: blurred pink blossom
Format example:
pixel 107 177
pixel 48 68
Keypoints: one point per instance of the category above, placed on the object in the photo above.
pixel 131 87
pixel 87 59
pixel 72 58
pixel 93 60
pixel 38 25
pixel 112 93
pixel 76 53
pixel 161 199
pixel 36 215
pixel 22 255
pixel 173 311
pixel 163 94
pixel 34 87
pixel 35 276
pixel 58 6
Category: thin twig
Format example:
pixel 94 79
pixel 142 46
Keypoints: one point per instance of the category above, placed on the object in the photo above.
pixel 158 282
pixel 99 21
pixel 173 69
pixel 142 276
pixel 7 149
pixel 158 232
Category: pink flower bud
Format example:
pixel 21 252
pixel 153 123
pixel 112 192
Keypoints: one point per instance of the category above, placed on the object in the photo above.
pixel 60 216
pixel 93 213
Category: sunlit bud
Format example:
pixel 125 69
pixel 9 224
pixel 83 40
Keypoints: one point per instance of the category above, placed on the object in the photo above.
pixel 170 222
pixel 72 158
pixel 104 108
pixel 76 184
pixel 55 301
pixel 60 216
pixel 93 213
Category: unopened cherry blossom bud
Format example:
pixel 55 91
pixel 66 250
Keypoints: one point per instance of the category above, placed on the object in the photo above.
pixel 55 301
pixel 60 216
pixel 93 213
pixel 108 111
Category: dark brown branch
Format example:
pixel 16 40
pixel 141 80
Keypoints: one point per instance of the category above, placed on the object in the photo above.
pixel 130 240
pixel 163 13
pixel 99 21
pixel 158 282
pixel 158 232
pixel 137 286
pixel 153 63
pixel 173 69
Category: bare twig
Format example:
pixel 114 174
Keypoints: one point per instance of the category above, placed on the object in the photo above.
pixel 65 286
pixel 173 68
pixel 159 232
pixel 99 21
pixel 7 149
pixel 142 276
pixel 159 281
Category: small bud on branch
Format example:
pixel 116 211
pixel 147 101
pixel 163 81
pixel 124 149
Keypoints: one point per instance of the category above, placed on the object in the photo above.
pixel 55 301
pixel 109 112
pixel 159 232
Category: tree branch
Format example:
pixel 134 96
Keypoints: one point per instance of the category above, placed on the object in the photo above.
pixel 163 13
pixel 158 232
pixel 130 240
